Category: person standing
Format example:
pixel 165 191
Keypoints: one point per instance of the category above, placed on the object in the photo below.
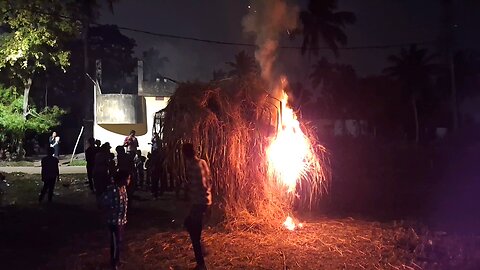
pixel 139 161
pixel 198 175
pixel 116 202
pixel 126 165
pixel 131 143
pixel 90 153
pixel 101 174
pixel 54 142
pixel 50 174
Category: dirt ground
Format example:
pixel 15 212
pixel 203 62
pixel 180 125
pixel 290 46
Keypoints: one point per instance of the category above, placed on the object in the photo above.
pixel 70 234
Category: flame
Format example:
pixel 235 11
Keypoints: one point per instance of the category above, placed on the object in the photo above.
pixel 289 224
pixel 288 151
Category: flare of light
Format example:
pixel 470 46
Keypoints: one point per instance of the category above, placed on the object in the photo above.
pixel 289 224
pixel 288 152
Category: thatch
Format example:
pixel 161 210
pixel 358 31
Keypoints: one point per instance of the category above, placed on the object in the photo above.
pixel 232 123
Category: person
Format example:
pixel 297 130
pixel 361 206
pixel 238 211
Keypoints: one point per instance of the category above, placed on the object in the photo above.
pixel 148 168
pixel 155 142
pixel 90 153
pixel 139 161
pixel 131 143
pixel 50 174
pixel 115 200
pixel 101 174
pixel 198 175
pixel 126 165
pixel 54 142
pixel 98 143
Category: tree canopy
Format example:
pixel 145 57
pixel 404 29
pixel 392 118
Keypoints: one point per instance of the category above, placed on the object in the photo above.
pixel 32 36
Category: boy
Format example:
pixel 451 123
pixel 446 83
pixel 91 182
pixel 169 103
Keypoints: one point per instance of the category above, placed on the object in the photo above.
pixel 198 175
pixel 116 201
pixel 50 174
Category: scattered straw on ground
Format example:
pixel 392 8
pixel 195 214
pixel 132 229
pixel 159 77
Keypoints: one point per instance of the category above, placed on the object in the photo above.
pixel 326 244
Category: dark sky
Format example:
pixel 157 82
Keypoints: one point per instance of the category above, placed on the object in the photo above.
pixel 378 22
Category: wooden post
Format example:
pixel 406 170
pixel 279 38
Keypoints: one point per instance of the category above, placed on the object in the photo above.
pixel 76 144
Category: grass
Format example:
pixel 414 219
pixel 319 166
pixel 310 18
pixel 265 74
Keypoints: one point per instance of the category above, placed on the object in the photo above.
pixel 21 163
pixel 78 162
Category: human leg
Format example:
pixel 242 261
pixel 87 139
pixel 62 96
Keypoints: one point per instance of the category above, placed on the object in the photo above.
pixel 193 223
pixel 51 188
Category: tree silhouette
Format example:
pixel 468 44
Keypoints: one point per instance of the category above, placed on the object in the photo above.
pixel 338 84
pixel 243 65
pixel 322 21
pixel 413 68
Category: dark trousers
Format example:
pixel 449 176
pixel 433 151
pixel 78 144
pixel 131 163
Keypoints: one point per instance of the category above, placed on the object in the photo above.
pixel 140 176
pixel 155 178
pixel 90 175
pixel 56 149
pixel 194 225
pixel 48 186
pixel 116 235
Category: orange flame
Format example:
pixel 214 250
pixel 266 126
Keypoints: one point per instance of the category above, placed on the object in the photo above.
pixel 289 153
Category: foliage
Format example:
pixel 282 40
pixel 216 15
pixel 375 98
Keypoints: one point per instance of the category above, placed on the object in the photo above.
pixel 12 123
pixel 153 64
pixel 320 21
pixel 338 84
pixel 243 65
pixel 32 40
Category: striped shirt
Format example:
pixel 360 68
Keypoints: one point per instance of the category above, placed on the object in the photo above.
pixel 197 174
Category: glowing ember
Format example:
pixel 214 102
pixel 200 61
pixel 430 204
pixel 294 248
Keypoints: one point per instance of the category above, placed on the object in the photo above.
pixel 288 151
pixel 289 224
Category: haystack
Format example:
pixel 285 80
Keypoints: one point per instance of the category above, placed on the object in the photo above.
pixel 232 123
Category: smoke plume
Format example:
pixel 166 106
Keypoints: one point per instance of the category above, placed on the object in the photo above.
pixel 267 20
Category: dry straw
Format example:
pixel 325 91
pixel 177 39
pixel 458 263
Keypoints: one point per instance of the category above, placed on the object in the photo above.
pixel 232 123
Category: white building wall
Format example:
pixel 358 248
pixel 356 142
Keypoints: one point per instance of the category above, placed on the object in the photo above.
pixel 116 133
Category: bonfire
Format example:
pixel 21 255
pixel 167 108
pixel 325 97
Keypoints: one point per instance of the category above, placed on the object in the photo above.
pixel 265 163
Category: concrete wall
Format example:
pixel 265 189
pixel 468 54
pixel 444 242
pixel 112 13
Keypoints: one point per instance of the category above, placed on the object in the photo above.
pixel 116 133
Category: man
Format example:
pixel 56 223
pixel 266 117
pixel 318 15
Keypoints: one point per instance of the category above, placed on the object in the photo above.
pixel 90 153
pixel 50 174
pixel 198 175
pixel 101 175
pixel 126 165
pixel 131 143
pixel 54 142
pixel 116 200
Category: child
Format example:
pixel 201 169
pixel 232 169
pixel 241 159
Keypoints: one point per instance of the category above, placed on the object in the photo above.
pixel 115 201
pixel 50 174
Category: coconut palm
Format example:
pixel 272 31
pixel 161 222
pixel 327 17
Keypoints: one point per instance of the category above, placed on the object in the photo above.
pixel 414 69
pixel 322 21
pixel 243 65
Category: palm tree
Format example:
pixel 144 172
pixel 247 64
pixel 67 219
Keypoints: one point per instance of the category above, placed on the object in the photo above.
pixel 321 20
pixel 243 65
pixel 414 69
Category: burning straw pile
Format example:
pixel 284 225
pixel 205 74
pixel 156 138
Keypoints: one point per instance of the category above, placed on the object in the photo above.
pixel 238 126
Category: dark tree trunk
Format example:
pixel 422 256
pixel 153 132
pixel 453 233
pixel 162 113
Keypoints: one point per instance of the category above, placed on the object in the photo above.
pixel 417 124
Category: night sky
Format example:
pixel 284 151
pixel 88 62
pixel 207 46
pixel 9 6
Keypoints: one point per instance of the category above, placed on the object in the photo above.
pixel 379 22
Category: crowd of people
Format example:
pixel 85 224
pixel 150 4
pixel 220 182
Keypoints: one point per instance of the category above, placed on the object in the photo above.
pixel 113 180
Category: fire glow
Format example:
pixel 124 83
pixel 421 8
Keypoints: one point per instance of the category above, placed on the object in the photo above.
pixel 289 153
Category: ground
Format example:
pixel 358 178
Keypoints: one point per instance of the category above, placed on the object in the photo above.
pixel 70 234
